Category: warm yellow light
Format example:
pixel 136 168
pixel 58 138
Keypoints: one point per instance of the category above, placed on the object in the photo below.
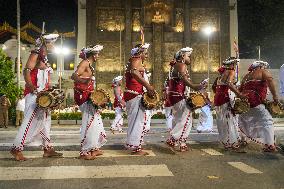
pixel 136 28
pixel 71 65
pixel 179 29
pixel 54 66
pixel 215 68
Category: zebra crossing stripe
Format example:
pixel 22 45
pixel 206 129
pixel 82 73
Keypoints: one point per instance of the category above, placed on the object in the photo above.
pixel 72 172
pixel 75 154
pixel 212 152
pixel 244 167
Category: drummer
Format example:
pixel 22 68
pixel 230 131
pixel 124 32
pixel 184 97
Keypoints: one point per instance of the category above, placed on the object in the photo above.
pixel 93 135
pixel 149 113
pixel 178 80
pixel 167 106
pixel 136 113
pixel 119 104
pixel 36 124
pixel 257 123
pixel 227 123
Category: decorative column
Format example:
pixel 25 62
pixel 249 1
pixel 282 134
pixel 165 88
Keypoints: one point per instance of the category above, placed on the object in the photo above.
pixel 128 28
pixel 91 14
pixel 81 36
pixel 157 55
pixel 186 32
pixel 224 29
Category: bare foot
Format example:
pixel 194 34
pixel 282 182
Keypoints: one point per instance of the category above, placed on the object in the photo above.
pixel 51 153
pixel 97 153
pixel 183 148
pixel 18 155
pixel 87 157
pixel 140 153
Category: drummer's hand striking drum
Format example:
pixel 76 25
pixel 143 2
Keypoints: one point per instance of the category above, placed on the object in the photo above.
pixel 273 108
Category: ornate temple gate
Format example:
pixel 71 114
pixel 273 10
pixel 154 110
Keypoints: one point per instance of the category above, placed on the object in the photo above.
pixel 168 26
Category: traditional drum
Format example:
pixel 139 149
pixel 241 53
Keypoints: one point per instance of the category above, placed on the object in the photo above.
pixel 273 108
pixel 150 102
pixel 99 98
pixel 50 99
pixel 196 100
pixel 241 106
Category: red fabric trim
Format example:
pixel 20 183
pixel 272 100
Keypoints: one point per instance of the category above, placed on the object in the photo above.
pixel 28 126
pixel 88 126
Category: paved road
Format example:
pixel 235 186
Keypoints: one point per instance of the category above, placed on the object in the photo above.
pixel 206 166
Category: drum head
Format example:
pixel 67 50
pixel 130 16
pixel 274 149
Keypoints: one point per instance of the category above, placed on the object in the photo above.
pixel 44 101
pixel 198 100
pixel 99 98
pixel 150 102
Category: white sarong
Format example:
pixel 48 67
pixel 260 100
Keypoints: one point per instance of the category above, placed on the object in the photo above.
pixel 227 125
pixel 93 134
pixel 118 120
pixel 35 127
pixel 149 114
pixel 205 121
pixel 257 125
pixel 169 117
pixel 137 120
pixel 182 123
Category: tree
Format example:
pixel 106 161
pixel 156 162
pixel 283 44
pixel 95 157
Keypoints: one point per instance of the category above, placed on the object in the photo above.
pixel 7 81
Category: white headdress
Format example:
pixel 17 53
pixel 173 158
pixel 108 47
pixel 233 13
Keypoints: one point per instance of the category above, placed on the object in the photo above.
pixel 259 63
pixel 117 79
pixel 90 49
pixel 136 50
pixel 47 38
pixel 231 60
pixel 145 46
pixel 182 51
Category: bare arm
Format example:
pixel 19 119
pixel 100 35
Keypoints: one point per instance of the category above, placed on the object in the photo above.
pixel 80 70
pixel 136 74
pixel 116 92
pixel 31 63
pixel 271 85
pixel 181 68
pixel 229 82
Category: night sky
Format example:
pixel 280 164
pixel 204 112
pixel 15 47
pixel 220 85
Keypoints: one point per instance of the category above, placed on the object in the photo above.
pixel 261 22
pixel 57 14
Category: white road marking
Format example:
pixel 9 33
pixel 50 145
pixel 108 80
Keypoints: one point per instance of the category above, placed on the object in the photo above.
pixel 35 144
pixel 69 172
pixel 212 152
pixel 75 154
pixel 244 167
